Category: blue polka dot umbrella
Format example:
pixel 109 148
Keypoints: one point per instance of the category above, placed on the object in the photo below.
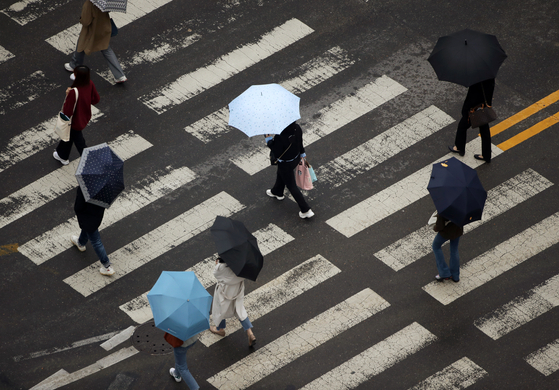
pixel 100 175
pixel 264 109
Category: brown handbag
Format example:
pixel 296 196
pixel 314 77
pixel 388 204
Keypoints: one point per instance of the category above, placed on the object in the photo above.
pixel 174 341
pixel 481 114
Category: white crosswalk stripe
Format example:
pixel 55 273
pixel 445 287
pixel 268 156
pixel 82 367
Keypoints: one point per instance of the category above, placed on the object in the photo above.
pixel 155 243
pixel 384 146
pixel 375 360
pixel 196 82
pixel 279 291
pixel 60 181
pixel 498 260
pixel 459 375
pixel 500 199
pixel 66 40
pixel 25 11
pixel 399 195
pixel 5 55
pixel 521 310
pixel 330 119
pixel 152 188
pixel 545 359
pixel 24 91
pixel 33 140
pixel 269 239
pixel 311 73
pixel 299 341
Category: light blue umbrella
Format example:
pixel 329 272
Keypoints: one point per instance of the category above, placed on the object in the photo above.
pixel 264 109
pixel 180 304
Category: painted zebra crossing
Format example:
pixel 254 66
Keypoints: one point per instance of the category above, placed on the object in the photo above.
pixel 26 90
pixel 312 272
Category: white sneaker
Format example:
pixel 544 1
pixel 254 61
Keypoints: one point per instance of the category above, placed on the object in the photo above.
pixel 68 67
pixel 174 374
pixel 269 193
pixel 121 80
pixel 75 240
pixel 308 214
pixel 57 157
pixel 107 271
pixel 72 77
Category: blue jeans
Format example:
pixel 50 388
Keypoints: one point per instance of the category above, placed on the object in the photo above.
pixel 182 368
pixel 245 323
pixel 444 270
pixel 98 247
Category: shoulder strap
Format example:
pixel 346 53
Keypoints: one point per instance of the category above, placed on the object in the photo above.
pixel 76 102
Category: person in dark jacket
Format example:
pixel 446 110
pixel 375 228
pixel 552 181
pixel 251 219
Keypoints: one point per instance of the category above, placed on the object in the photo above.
pixel 288 148
pixel 447 231
pixel 477 94
pixel 87 96
pixel 89 218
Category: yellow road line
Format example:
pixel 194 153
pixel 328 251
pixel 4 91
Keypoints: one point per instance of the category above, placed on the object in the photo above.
pixel 7 249
pixel 537 128
pixel 521 115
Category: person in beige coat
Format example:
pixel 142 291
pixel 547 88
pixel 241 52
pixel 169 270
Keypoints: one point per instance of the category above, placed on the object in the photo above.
pixel 228 301
pixel 95 36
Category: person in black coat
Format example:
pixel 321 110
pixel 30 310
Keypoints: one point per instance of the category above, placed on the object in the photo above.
pixel 288 149
pixel 477 94
pixel 90 217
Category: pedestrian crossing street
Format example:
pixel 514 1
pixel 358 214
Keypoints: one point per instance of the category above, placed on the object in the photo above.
pixel 340 173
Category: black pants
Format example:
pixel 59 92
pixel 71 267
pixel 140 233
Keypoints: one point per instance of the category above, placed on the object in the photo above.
pixel 286 178
pixel 64 148
pixel 460 140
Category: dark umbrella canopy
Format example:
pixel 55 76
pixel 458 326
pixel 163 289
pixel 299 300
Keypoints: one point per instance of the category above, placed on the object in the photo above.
pixel 237 247
pixel 467 57
pixel 457 192
pixel 100 175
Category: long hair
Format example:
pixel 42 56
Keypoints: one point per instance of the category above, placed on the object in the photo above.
pixel 82 76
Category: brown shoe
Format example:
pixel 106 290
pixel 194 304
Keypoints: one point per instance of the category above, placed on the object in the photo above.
pixel 220 332
pixel 251 338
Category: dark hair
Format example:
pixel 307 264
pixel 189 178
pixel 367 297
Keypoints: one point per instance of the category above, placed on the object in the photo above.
pixel 82 76
pixel 220 260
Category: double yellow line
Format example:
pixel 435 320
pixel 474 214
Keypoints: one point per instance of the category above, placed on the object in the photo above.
pixel 520 116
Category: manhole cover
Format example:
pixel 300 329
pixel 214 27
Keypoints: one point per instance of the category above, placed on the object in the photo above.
pixel 147 338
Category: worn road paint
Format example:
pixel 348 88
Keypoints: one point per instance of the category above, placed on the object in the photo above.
pixel 459 375
pixel 269 239
pixel 310 73
pixel 395 197
pixel 505 256
pixel 530 132
pixel 278 292
pixel 546 359
pixel 60 181
pixel 330 119
pixel 294 344
pixel 155 243
pixel 500 199
pixel 34 140
pixel 24 91
pixel 132 199
pixel 520 310
pixel 5 55
pixel 196 82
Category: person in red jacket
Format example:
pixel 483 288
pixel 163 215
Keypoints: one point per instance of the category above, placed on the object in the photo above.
pixel 87 96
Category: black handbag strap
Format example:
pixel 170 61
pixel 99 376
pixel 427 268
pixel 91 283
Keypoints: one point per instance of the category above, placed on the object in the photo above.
pixel 484 98
pixel 279 158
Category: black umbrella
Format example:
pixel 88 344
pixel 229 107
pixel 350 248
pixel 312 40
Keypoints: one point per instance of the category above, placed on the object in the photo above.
pixel 100 175
pixel 467 57
pixel 457 192
pixel 237 247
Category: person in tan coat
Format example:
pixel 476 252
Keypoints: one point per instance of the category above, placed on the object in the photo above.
pixel 229 301
pixel 95 36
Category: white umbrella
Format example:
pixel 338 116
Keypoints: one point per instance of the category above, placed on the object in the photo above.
pixel 264 109
pixel 111 5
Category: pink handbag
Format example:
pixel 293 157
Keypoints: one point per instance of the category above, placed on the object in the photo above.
pixel 303 176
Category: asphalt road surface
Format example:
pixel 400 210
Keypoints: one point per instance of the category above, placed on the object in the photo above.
pixel 346 299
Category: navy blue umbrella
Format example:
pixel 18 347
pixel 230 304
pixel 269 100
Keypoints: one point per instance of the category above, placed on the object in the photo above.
pixel 457 192
pixel 100 174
